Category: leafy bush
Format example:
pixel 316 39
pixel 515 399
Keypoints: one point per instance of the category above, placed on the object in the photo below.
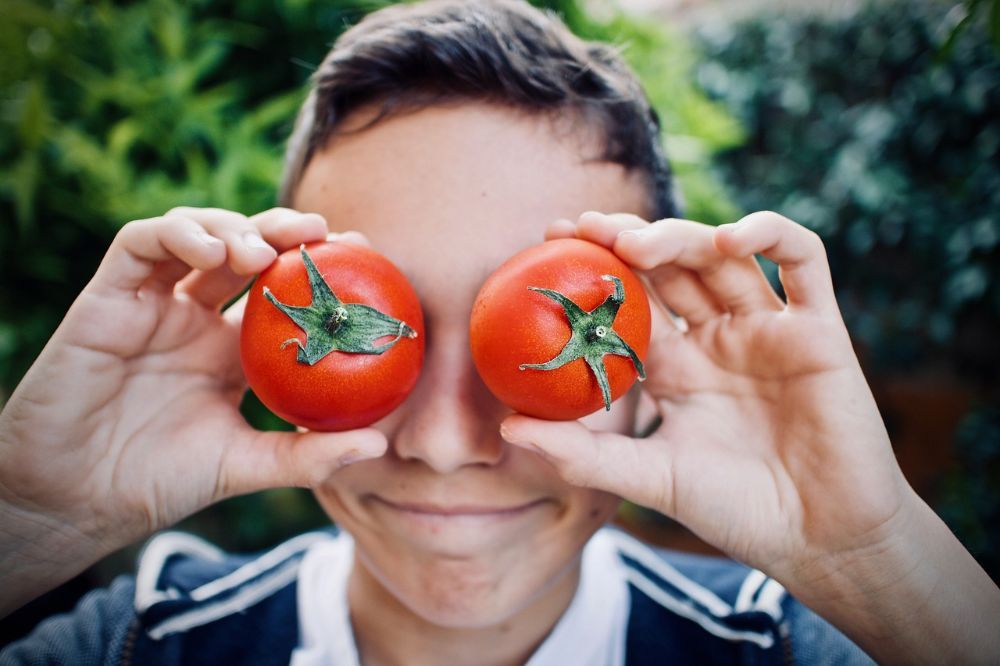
pixel 118 112
pixel 970 501
pixel 860 130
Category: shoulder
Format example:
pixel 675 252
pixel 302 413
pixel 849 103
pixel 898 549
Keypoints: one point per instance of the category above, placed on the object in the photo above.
pixel 705 608
pixel 189 603
pixel 198 604
pixel 94 633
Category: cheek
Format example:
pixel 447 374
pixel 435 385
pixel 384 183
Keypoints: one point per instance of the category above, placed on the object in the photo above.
pixel 596 507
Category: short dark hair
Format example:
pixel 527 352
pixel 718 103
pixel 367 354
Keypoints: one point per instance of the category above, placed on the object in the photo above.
pixel 413 56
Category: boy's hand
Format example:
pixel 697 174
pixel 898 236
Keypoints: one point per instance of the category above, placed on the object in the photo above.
pixel 768 426
pixel 771 446
pixel 128 421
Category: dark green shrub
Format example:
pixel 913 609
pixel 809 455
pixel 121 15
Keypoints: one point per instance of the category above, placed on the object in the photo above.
pixel 860 130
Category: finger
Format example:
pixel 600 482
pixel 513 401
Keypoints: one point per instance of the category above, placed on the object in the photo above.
pixel 798 251
pixel 561 228
pixel 679 290
pixel 603 229
pixel 260 460
pixel 246 251
pixel 234 313
pixel 606 461
pixel 281 228
pixel 284 228
pixel 665 333
pixel 738 284
pixel 685 294
pixel 351 236
pixel 160 249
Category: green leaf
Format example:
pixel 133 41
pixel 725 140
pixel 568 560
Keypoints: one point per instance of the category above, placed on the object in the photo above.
pixel 994 23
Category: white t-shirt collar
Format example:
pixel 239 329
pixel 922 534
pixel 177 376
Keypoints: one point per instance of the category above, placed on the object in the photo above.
pixel 591 632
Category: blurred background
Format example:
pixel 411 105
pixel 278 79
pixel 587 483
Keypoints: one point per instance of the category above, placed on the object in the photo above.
pixel 877 124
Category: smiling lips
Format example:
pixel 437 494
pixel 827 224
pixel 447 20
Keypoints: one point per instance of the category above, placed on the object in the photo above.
pixel 458 510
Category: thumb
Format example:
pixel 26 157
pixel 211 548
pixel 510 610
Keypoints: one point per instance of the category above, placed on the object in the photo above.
pixel 257 460
pixel 631 468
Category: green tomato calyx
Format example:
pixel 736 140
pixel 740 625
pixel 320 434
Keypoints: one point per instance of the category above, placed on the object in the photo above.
pixel 332 325
pixel 591 337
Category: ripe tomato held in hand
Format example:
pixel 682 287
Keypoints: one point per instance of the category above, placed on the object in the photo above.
pixel 332 336
pixel 560 330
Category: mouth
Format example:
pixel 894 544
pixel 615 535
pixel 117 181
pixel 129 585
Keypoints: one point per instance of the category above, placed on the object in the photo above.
pixel 460 529
pixel 473 511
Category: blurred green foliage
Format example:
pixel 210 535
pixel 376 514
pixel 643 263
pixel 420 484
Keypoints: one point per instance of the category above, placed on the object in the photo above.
pixel 114 111
pixel 857 131
pixel 881 131
pixel 970 492
pixel 968 13
pixel 694 127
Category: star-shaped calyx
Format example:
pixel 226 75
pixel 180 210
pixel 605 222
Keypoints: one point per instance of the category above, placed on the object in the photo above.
pixel 592 337
pixel 330 324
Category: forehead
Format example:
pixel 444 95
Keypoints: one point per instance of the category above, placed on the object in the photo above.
pixel 449 193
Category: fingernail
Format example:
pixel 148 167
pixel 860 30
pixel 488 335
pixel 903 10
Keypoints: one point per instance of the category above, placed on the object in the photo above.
pixel 509 436
pixel 634 233
pixel 255 242
pixel 731 227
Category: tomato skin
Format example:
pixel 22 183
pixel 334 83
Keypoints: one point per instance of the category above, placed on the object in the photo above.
pixel 342 391
pixel 511 325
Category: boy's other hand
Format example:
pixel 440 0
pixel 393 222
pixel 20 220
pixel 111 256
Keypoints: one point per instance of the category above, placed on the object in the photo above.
pixel 768 426
pixel 128 421
pixel 769 444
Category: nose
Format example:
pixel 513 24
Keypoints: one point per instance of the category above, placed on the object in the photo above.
pixel 451 419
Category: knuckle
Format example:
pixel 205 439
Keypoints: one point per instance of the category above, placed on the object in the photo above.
pixel 271 215
pixel 137 228
pixel 764 217
pixel 814 242
pixel 353 236
pixel 632 219
pixel 212 218
pixel 646 261
pixel 314 216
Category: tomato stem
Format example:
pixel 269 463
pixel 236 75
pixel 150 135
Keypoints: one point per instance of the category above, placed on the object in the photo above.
pixel 591 337
pixel 330 324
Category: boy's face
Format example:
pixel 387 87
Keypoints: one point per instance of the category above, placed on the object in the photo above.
pixel 459 527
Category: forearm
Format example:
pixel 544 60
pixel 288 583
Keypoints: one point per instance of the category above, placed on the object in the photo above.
pixel 37 553
pixel 918 597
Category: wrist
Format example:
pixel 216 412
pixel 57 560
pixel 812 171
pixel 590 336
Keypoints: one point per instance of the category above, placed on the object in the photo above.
pixel 37 553
pixel 911 593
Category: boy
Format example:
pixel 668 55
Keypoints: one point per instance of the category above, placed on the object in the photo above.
pixel 449 136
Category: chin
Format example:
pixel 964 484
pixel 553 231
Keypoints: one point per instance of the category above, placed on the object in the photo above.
pixel 460 594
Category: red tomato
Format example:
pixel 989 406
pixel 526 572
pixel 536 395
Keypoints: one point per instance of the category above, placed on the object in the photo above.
pixel 338 351
pixel 514 324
